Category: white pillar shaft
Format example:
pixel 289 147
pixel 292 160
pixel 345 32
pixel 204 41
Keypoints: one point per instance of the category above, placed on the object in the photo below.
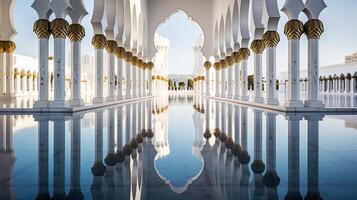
pixel 271 141
pixel 2 75
pixel 9 76
pixel 230 82
pixel 135 80
pixel 120 78
pixel 140 78
pixel 76 74
pixel 111 85
pixel 59 72
pixel 294 74
pixel 207 81
pixel 223 82
pixel 99 97
pixel 271 76
pixel 43 71
pixel 237 80
pixel 313 74
pixel 244 83
pixel 128 69
pixel 150 82
pixel 258 78
pixel 218 83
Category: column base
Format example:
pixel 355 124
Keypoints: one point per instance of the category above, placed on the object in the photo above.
pixel 59 104
pixel 76 102
pixel 111 99
pixel 98 100
pixel 294 104
pixel 41 104
pixel 271 101
pixel 313 104
pixel 258 99
pixel 244 98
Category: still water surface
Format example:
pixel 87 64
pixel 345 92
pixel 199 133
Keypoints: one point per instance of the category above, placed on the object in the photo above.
pixel 180 147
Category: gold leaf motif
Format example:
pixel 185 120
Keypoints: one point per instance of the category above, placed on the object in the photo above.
pixel 314 29
pixel 294 29
pixel 59 28
pixel 76 33
pixel 207 65
pixel 42 28
pixel 257 46
pixel 99 41
pixel 244 53
pixel 111 46
pixel 271 39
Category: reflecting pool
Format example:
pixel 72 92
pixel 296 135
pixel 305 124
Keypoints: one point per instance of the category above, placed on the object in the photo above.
pixel 178 147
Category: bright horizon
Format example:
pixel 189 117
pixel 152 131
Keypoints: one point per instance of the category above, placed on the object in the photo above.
pixel 337 41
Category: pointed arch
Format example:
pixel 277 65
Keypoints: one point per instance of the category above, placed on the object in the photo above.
pixel 235 25
pixel 134 31
pixel 127 24
pixel 228 30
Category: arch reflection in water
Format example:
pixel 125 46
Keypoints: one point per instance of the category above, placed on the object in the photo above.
pixel 173 151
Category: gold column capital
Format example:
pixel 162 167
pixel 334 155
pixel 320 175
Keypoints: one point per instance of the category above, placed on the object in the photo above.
pixel 59 28
pixel 135 61
pixel 99 41
pixel 217 65
pixel 111 46
pixel 76 32
pixel 120 52
pixel 244 53
pixel 41 28
pixel 314 29
pixel 229 61
pixel 8 46
pixel 207 65
pixel 294 29
pixel 223 63
pixel 236 57
pixel 257 46
pixel 150 65
pixel 271 39
pixel 128 56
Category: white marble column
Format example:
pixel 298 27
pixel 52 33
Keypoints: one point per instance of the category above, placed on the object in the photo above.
pixel 99 42
pixel 236 76
pixel 244 54
pixel 42 30
pixel 223 78
pixel 76 34
pixel 2 72
pixel 59 28
pixel 257 47
pixel 207 66
pixel 314 29
pixel 135 77
pixel 150 81
pixel 9 48
pixel 120 72
pixel 111 48
pixel 59 129
pixel 217 68
pixel 128 73
pixel 293 30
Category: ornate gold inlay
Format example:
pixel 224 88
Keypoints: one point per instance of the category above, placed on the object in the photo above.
pixel 217 65
pixel 271 39
pixel 294 29
pixel 236 57
pixel 150 65
pixel 99 41
pixel 244 53
pixel 257 46
pixel 76 33
pixel 42 28
pixel 314 29
pixel 229 60
pixel 9 46
pixel 111 46
pixel 59 28
pixel 120 52
pixel 207 65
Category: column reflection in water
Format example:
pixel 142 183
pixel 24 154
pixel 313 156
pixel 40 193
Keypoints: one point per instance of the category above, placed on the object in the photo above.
pixel 244 157
pixel 313 191
pixel 42 158
pixel 110 159
pixel 258 165
pixel 59 127
pixel 75 175
pixel 98 168
pixel 271 178
pixel 293 157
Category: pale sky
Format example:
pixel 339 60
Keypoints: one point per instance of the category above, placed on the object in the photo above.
pixel 338 40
